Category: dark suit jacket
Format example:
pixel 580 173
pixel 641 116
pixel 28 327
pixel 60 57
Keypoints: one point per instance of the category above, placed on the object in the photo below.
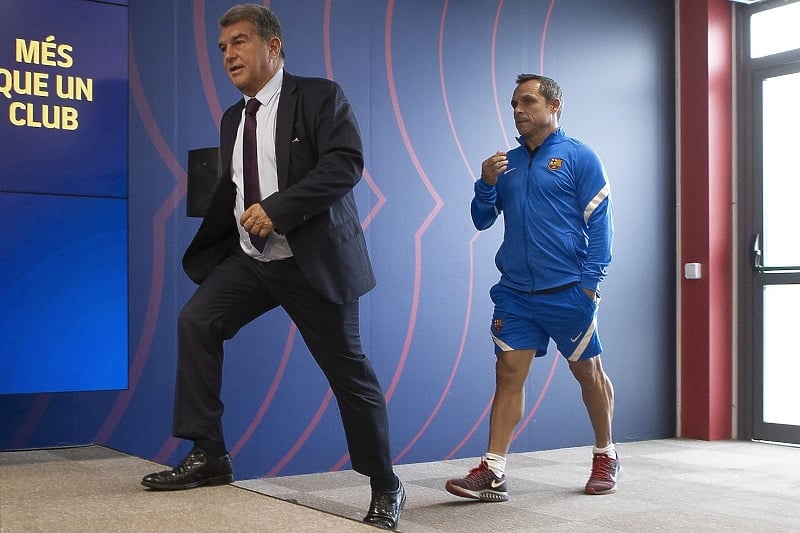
pixel 319 161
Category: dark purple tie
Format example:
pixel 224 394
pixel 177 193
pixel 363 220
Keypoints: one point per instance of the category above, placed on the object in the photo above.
pixel 252 192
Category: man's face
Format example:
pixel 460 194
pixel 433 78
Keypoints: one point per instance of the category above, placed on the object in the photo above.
pixel 532 112
pixel 249 61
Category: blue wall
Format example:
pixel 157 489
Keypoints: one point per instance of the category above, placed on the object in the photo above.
pixel 430 83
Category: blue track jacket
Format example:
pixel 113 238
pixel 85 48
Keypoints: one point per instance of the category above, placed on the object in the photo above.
pixel 557 212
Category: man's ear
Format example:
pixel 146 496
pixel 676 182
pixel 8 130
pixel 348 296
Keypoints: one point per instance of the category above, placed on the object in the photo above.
pixel 274 45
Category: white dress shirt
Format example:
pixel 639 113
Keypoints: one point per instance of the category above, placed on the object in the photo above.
pixel 277 247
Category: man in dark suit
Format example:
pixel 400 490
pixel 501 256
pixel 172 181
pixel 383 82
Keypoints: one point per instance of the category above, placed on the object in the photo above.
pixel 282 229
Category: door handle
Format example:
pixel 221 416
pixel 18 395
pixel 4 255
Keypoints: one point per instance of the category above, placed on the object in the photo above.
pixel 758 260
pixel 758 265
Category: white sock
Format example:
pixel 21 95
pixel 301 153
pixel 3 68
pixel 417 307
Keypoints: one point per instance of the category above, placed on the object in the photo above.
pixel 496 463
pixel 609 450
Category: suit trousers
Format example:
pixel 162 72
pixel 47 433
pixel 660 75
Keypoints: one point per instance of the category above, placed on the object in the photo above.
pixel 236 292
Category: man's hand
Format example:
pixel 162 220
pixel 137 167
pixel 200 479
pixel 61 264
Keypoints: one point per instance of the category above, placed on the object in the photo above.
pixel 493 167
pixel 255 221
pixel 590 293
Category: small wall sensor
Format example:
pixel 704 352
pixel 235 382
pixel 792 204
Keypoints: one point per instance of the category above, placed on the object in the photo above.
pixel 692 271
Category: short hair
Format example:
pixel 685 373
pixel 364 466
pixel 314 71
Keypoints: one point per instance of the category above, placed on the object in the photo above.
pixel 547 88
pixel 266 22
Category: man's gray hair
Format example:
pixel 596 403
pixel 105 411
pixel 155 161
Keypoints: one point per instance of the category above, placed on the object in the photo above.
pixel 266 22
pixel 547 88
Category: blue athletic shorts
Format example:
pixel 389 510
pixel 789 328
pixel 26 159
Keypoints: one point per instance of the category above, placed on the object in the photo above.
pixel 526 321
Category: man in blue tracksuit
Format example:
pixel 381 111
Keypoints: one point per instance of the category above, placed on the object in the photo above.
pixel 554 196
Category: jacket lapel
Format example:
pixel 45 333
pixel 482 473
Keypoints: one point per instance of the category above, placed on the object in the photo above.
pixel 228 136
pixel 283 129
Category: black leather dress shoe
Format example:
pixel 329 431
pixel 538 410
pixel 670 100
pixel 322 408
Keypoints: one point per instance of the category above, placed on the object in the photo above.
pixel 196 470
pixel 385 507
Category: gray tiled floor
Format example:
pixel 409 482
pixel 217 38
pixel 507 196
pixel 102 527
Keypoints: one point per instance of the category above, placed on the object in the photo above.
pixel 94 489
pixel 666 485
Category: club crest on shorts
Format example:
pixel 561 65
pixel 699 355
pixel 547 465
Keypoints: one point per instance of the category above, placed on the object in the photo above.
pixel 555 163
pixel 497 325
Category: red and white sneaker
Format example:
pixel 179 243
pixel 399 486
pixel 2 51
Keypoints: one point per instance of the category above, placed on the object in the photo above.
pixel 603 479
pixel 479 484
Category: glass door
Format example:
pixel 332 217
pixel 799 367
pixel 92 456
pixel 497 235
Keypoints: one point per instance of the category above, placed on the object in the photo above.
pixel 770 309
pixel 776 256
